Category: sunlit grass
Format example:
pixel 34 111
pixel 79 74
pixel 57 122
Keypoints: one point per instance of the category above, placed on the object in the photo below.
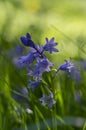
pixel 64 20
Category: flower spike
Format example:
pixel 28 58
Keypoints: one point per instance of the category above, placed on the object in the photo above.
pixel 27 41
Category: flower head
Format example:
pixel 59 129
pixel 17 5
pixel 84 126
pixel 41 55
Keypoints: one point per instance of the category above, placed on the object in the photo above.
pixel 33 85
pixel 78 96
pixel 83 64
pixel 49 46
pixel 39 68
pixel 27 41
pixel 76 75
pixel 67 66
pixel 47 100
pixel 44 65
pixel 20 94
pixel 19 49
pixel 28 59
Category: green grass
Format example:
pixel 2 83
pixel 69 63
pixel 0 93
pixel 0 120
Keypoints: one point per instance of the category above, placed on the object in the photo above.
pixel 65 20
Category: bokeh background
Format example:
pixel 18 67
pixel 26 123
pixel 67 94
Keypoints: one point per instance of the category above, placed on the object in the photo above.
pixel 66 21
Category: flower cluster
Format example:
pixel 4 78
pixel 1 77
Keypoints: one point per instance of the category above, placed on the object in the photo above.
pixel 37 56
pixel 37 63
pixel 47 100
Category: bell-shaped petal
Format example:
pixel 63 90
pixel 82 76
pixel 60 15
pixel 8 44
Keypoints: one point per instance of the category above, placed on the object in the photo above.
pixel 27 41
pixel 50 45
pixel 67 66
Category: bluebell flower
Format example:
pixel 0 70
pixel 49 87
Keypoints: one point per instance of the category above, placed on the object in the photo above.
pixel 27 41
pixel 16 51
pixel 35 74
pixel 42 66
pixel 76 75
pixel 83 64
pixel 34 84
pixel 50 45
pixel 19 49
pixel 78 97
pixel 26 60
pixel 47 100
pixel 67 66
pixel 38 52
pixel 28 35
pixel 20 94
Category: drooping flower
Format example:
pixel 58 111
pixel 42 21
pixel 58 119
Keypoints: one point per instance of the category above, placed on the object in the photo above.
pixel 33 85
pixel 27 41
pixel 78 97
pixel 76 75
pixel 20 94
pixel 28 59
pixel 19 49
pixel 36 74
pixel 16 51
pixel 83 64
pixel 47 100
pixel 39 68
pixel 67 66
pixel 44 65
pixel 50 45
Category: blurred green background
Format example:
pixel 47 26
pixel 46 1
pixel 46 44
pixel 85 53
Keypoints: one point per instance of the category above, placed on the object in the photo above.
pixel 63 19
pixel 66 21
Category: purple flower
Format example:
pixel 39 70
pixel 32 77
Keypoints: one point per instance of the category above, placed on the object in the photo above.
pixel 26 59
pixel 42 66
pixel 19 49
pixel 47 100
pixel 27 41
pixel 35 73
pixel 76 75
pixel 78 96
pixel 35 84
pixel 16 51
pixel 49 46
pixel 38 52
pixel 20 94
pixel 67 66
pixel 83 64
